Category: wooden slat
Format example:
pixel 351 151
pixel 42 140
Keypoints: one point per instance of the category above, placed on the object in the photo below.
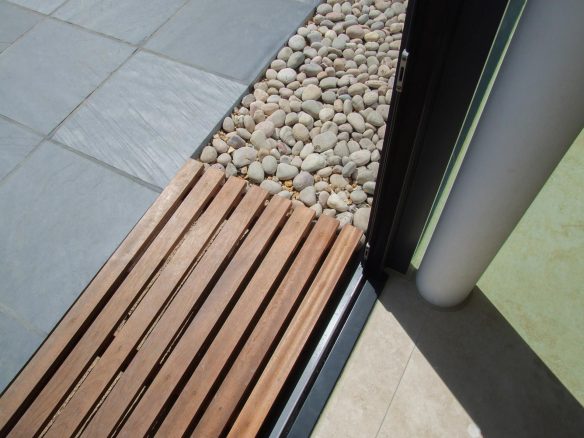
pixel 249 361
pixel 231 280
pixel 189 296
pixel 100 288
pixel 52 395
pixel 153 301
pixel 222 371
pixel 282 361
pixel 217 355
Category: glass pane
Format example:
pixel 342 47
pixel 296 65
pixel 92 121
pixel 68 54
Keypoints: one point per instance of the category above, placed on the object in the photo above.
pixel 496 55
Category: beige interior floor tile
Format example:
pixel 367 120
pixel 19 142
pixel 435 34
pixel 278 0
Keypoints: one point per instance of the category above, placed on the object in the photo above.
pixel 423 406
pixel 362 395
pixel 471 367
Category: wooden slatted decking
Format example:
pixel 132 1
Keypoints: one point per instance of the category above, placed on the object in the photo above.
pixel 193 325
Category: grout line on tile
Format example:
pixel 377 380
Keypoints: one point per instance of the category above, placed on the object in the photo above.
pixel 395 391
pixel 43 17
pixel 74 110
pixel 147 38
pixel 114 169
pixel 20 163
pixel 59 7
pixel 141 45
pixel 250 83
pixel 138 47
pixel 198 67
pixel 29 154
pixel 248 86
pixel 25 8
pixel 414 346
pixel 23 126
pixel 49 138
pixel 11 313
pixel 48 14
pixel 94 32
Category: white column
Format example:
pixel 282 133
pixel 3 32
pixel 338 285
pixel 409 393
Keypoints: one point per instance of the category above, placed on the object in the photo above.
pixel 535 111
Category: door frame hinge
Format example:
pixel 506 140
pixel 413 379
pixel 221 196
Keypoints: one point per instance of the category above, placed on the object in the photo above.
pixel 401 74
pixel 366 251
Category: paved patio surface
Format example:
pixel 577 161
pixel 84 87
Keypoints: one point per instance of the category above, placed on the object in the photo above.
pixel 101 101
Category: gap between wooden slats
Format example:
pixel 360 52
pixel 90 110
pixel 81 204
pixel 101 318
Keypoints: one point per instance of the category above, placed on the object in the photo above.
pixel 28 383
pixel 231 335
pixel 266 390
pixel 251 360
pixel 219 301
pixel 144 364
pixel 122 347
pixel 99 334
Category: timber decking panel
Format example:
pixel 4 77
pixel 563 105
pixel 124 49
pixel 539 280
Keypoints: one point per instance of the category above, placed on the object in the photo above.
pixel 128 336
pixel 221 408
pixel 129 251
pixel 268 387
pixel 195 322
pixel 153 349
pixel 80 358
pixel 189 403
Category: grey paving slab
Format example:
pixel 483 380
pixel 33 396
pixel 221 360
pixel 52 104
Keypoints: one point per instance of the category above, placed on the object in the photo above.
pixel 44 6
pixel 14 21
pixel 149 116
pixel 129 20
pixel 50 70
pixel 15 144
pixel 62 217
pixel 310 2
pixel 236 38
pixel 17 344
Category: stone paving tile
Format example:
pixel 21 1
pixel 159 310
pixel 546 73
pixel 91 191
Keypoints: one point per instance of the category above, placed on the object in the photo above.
pixel 128 20
pixel 62 217
pixel 44 6
pixel 236 39
pixel 14 21
pixel 17 343
pixel 15 144
pixel 150 115
pixel 51 69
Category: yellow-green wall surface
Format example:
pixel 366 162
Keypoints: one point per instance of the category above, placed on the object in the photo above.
pixel 537 279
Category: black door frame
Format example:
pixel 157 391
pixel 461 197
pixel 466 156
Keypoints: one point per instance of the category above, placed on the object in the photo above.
pixel 446 45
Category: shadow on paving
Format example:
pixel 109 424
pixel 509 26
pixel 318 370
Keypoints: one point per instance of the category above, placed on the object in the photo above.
pixel 496 377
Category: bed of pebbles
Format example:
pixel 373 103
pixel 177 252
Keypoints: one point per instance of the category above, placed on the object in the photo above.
pixel 313 128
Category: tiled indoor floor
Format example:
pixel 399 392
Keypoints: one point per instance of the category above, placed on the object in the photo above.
pixel 420 372
pixel 101 102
